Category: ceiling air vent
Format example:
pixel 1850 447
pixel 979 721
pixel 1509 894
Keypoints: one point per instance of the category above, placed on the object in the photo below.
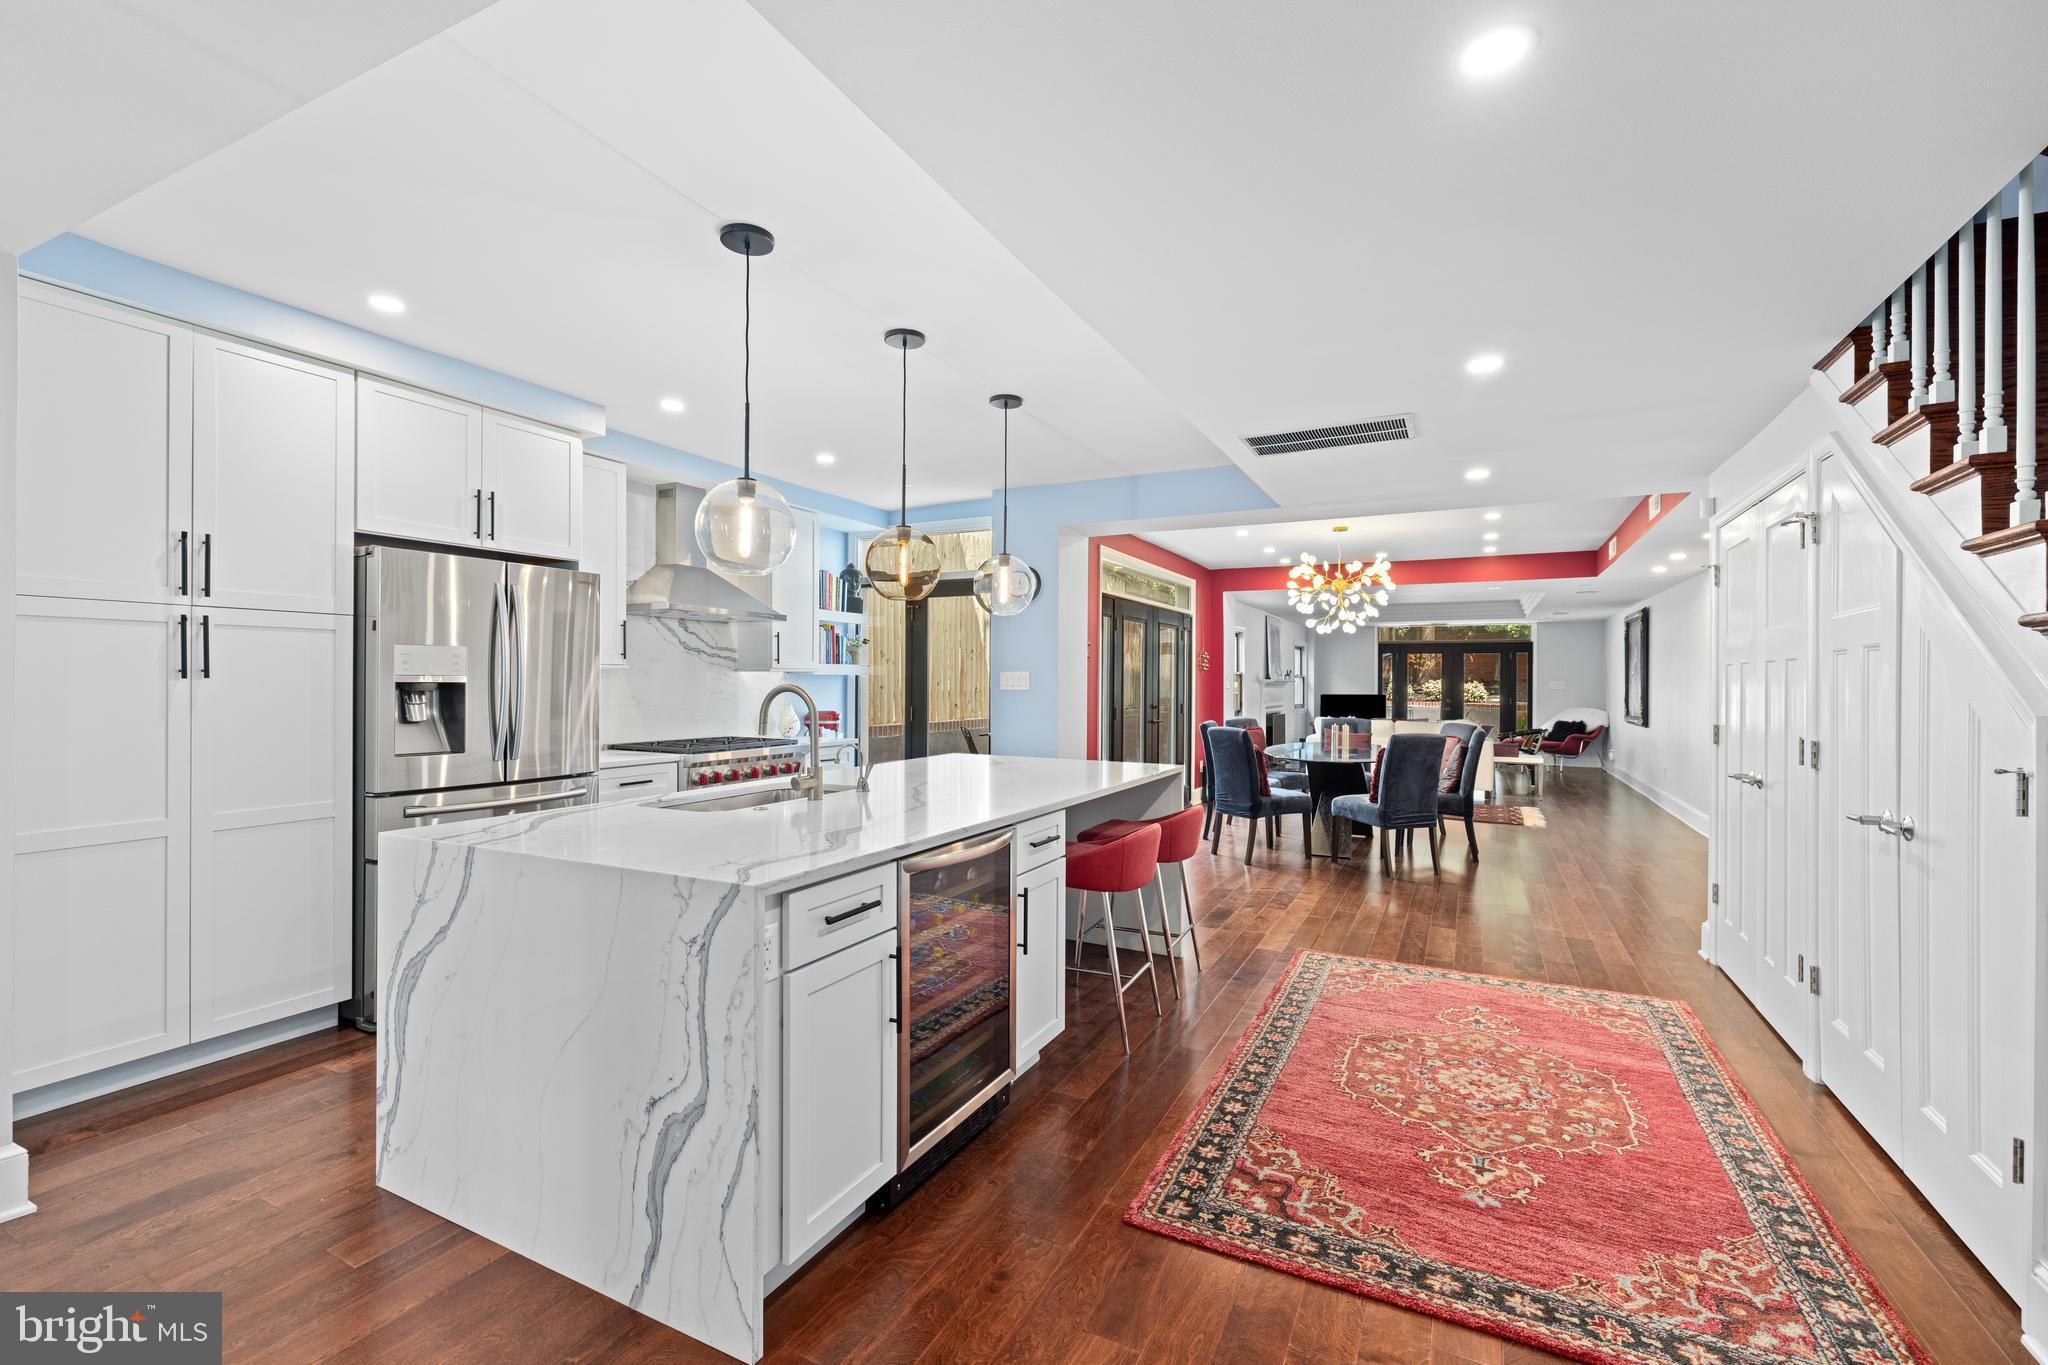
pixel 1397 428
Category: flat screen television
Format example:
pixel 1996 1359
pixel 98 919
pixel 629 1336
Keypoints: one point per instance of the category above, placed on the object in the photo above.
pixel 1364 705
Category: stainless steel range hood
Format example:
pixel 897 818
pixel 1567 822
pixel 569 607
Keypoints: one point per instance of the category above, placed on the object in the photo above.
pixel 680 584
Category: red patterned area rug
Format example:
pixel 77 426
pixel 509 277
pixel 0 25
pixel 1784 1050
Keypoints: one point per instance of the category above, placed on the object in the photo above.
pixel 1528 817
pixel 1571 1169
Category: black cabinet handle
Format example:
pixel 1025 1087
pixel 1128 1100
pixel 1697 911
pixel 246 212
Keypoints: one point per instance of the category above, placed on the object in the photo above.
pixel 184 646
pixel 494 514
pixel 1048 839
pixel 897 1018
pixel 206 571
pixel 622 642
pixel 184 563
pixel 479 514
pixel 206 646
pixel 860 909
pixel 638 782
pixel 1024 894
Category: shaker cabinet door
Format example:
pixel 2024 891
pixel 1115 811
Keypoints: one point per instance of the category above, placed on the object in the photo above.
pixel 271 821
pixel 273 479
pixel 533 488
pixel 604 552
pixel 839 1098
pixel 1041 993
pixel 419 465
pixel 104 480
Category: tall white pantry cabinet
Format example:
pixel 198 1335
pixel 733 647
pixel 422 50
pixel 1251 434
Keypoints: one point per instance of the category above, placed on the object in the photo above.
pixel 182 671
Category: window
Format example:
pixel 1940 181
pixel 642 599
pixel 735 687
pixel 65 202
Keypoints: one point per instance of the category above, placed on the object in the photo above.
pixel 1477 673
pixel 1488 633
pixel 1301 675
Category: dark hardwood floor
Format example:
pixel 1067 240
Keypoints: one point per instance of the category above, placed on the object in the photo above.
pixel 253 1176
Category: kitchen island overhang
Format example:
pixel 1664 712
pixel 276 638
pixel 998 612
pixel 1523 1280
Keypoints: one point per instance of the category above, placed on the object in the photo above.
pixel 583 1009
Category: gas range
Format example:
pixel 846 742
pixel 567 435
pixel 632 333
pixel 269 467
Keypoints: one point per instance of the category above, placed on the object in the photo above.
pixel 722 760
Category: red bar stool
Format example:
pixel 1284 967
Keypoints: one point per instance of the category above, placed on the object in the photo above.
pixel 1111 867
pixel 1180 837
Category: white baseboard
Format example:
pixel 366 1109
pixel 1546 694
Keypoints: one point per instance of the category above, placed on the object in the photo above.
pixel 94 1084
pixel 1690 814
pixel 14 1182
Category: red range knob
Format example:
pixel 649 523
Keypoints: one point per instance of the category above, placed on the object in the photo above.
pixel 702 778
pixel 789 767
pixel 753 772
pixel 732 774
pixel 717 777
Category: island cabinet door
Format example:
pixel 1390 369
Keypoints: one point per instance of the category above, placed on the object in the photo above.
pixel 1041 999
pixel 840 1037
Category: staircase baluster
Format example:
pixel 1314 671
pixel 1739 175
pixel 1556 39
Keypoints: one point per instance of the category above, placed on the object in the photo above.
pixel 1966 341
pixel 2026 502
pixel 1878 323
pixel 1916 327
pixel 1902 326
pixel 1991 435
pixel 1940 388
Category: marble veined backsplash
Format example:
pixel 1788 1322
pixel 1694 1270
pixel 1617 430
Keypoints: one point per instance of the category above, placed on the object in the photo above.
pixel 681 678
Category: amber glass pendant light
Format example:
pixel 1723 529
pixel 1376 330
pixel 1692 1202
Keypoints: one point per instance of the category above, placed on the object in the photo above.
pixel 903 562
pixel 744 526
pixel 1005 584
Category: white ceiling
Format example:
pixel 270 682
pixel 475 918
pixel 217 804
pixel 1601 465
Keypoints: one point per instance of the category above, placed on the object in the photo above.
pixel 543 184
pixel 1533 528
pixel 99 98
pixel 1291 216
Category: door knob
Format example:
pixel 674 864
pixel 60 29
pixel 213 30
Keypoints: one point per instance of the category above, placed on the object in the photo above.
pixel 1902 827
pixel 1750 779
pixel 1879 820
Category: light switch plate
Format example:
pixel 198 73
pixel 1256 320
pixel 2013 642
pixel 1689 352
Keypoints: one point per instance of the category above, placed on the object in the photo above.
pixel 1556 685
pixel 1014 682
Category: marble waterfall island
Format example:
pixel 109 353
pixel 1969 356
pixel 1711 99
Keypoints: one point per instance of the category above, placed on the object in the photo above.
pixel 581 1051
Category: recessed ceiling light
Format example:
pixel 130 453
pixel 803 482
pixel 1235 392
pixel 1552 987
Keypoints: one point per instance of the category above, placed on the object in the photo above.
pixel 1706 535
pixel 1494 588
pixel 1281 562
pixel 827 457
pixel 1485 363
pixel 1660 568
pixel 1242 531
pixel 1478 475
pixel 1495 51
pixel 1492 549
pixel 1265 549
pixel 1675 556
pixel 671 405
pixel 1492 535
pixel 1489 516
pixel 386 303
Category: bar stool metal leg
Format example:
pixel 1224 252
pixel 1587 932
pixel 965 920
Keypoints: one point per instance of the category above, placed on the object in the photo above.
pixel 1115 964
pixel 1166 934
pixel 1145 938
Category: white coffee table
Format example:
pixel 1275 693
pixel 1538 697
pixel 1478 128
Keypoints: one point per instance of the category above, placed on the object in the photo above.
pixel 1532 764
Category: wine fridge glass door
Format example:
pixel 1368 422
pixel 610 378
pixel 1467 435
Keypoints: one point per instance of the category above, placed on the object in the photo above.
pixel 959 1047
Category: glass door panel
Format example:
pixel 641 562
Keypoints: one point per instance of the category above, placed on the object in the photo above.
pixel 1169 711
pixel 957 984
pixel 1480 691
pixel 1425 677
pixel 1131 712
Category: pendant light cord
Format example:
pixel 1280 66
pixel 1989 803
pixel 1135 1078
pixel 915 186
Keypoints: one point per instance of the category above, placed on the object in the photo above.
pixel 903 447
pixel 747 374
pixel 1006 481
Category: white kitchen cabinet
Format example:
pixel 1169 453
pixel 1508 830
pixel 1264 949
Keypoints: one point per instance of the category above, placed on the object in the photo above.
pixel 273 479
pixel 1041 994
pixel 604 552
pixel 104 483
pixel 636 783
pixel 794 593
pixel 533 488
pixel 839 1093
pixel 271 825
pixel 102 838
pixel 419 464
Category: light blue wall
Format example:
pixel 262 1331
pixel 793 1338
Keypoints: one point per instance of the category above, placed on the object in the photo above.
pixel 86 264
pixel 1037 641
pixel 700 471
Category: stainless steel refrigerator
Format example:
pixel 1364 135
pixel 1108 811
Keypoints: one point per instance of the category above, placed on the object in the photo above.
pixel 476 695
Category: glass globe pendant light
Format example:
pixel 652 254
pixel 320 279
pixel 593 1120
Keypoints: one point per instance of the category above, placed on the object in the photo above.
pixel 744 526
pixel 903 562
pixel 1005 584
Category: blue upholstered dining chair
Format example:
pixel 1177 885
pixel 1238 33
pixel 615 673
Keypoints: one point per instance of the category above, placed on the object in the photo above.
pixel 1457 805
pixel 1408 784
pixel 1208 776
pixel 1293 782
pixel 1236 791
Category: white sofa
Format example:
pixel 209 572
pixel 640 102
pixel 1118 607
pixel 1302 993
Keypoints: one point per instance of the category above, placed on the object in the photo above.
pixel 1384 730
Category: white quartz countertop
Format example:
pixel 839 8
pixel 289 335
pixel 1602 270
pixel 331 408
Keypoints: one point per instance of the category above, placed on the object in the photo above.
pixel 913 805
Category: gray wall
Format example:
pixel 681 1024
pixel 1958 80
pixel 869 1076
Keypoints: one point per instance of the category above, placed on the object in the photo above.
pixel 1571 667
pixel 13 1161
pixel 1261 696
pixel 1671 759
pixel 1347 663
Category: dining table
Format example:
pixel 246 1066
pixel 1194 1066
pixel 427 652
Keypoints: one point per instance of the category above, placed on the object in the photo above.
pixel 1333 770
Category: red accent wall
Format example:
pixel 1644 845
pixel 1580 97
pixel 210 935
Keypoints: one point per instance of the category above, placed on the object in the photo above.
pixel 1633 528
pixel 1407 572
pixel 1208 698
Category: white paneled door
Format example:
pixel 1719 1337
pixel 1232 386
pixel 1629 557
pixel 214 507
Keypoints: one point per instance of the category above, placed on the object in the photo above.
pixel 273 479
pixel 1967 905
pixel 102 834
pixel 1764 924
pixel 105 471
pixel 270 830
pixel 1859 843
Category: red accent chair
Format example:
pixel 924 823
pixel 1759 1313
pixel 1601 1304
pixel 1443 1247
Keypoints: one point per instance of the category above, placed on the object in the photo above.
pixel 1571 746
pixel 1111 868
pixel 1180 837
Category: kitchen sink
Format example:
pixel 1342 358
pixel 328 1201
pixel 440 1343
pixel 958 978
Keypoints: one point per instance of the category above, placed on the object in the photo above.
pixel 773 796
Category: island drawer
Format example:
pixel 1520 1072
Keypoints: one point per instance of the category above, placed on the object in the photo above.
pixel 822 919
pixel 636 783
pixel 1042 840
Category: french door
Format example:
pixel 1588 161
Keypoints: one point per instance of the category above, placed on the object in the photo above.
pixel 1148 654
pixel 1484 684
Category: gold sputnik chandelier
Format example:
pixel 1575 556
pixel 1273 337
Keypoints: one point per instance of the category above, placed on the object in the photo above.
pixel 1340 595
